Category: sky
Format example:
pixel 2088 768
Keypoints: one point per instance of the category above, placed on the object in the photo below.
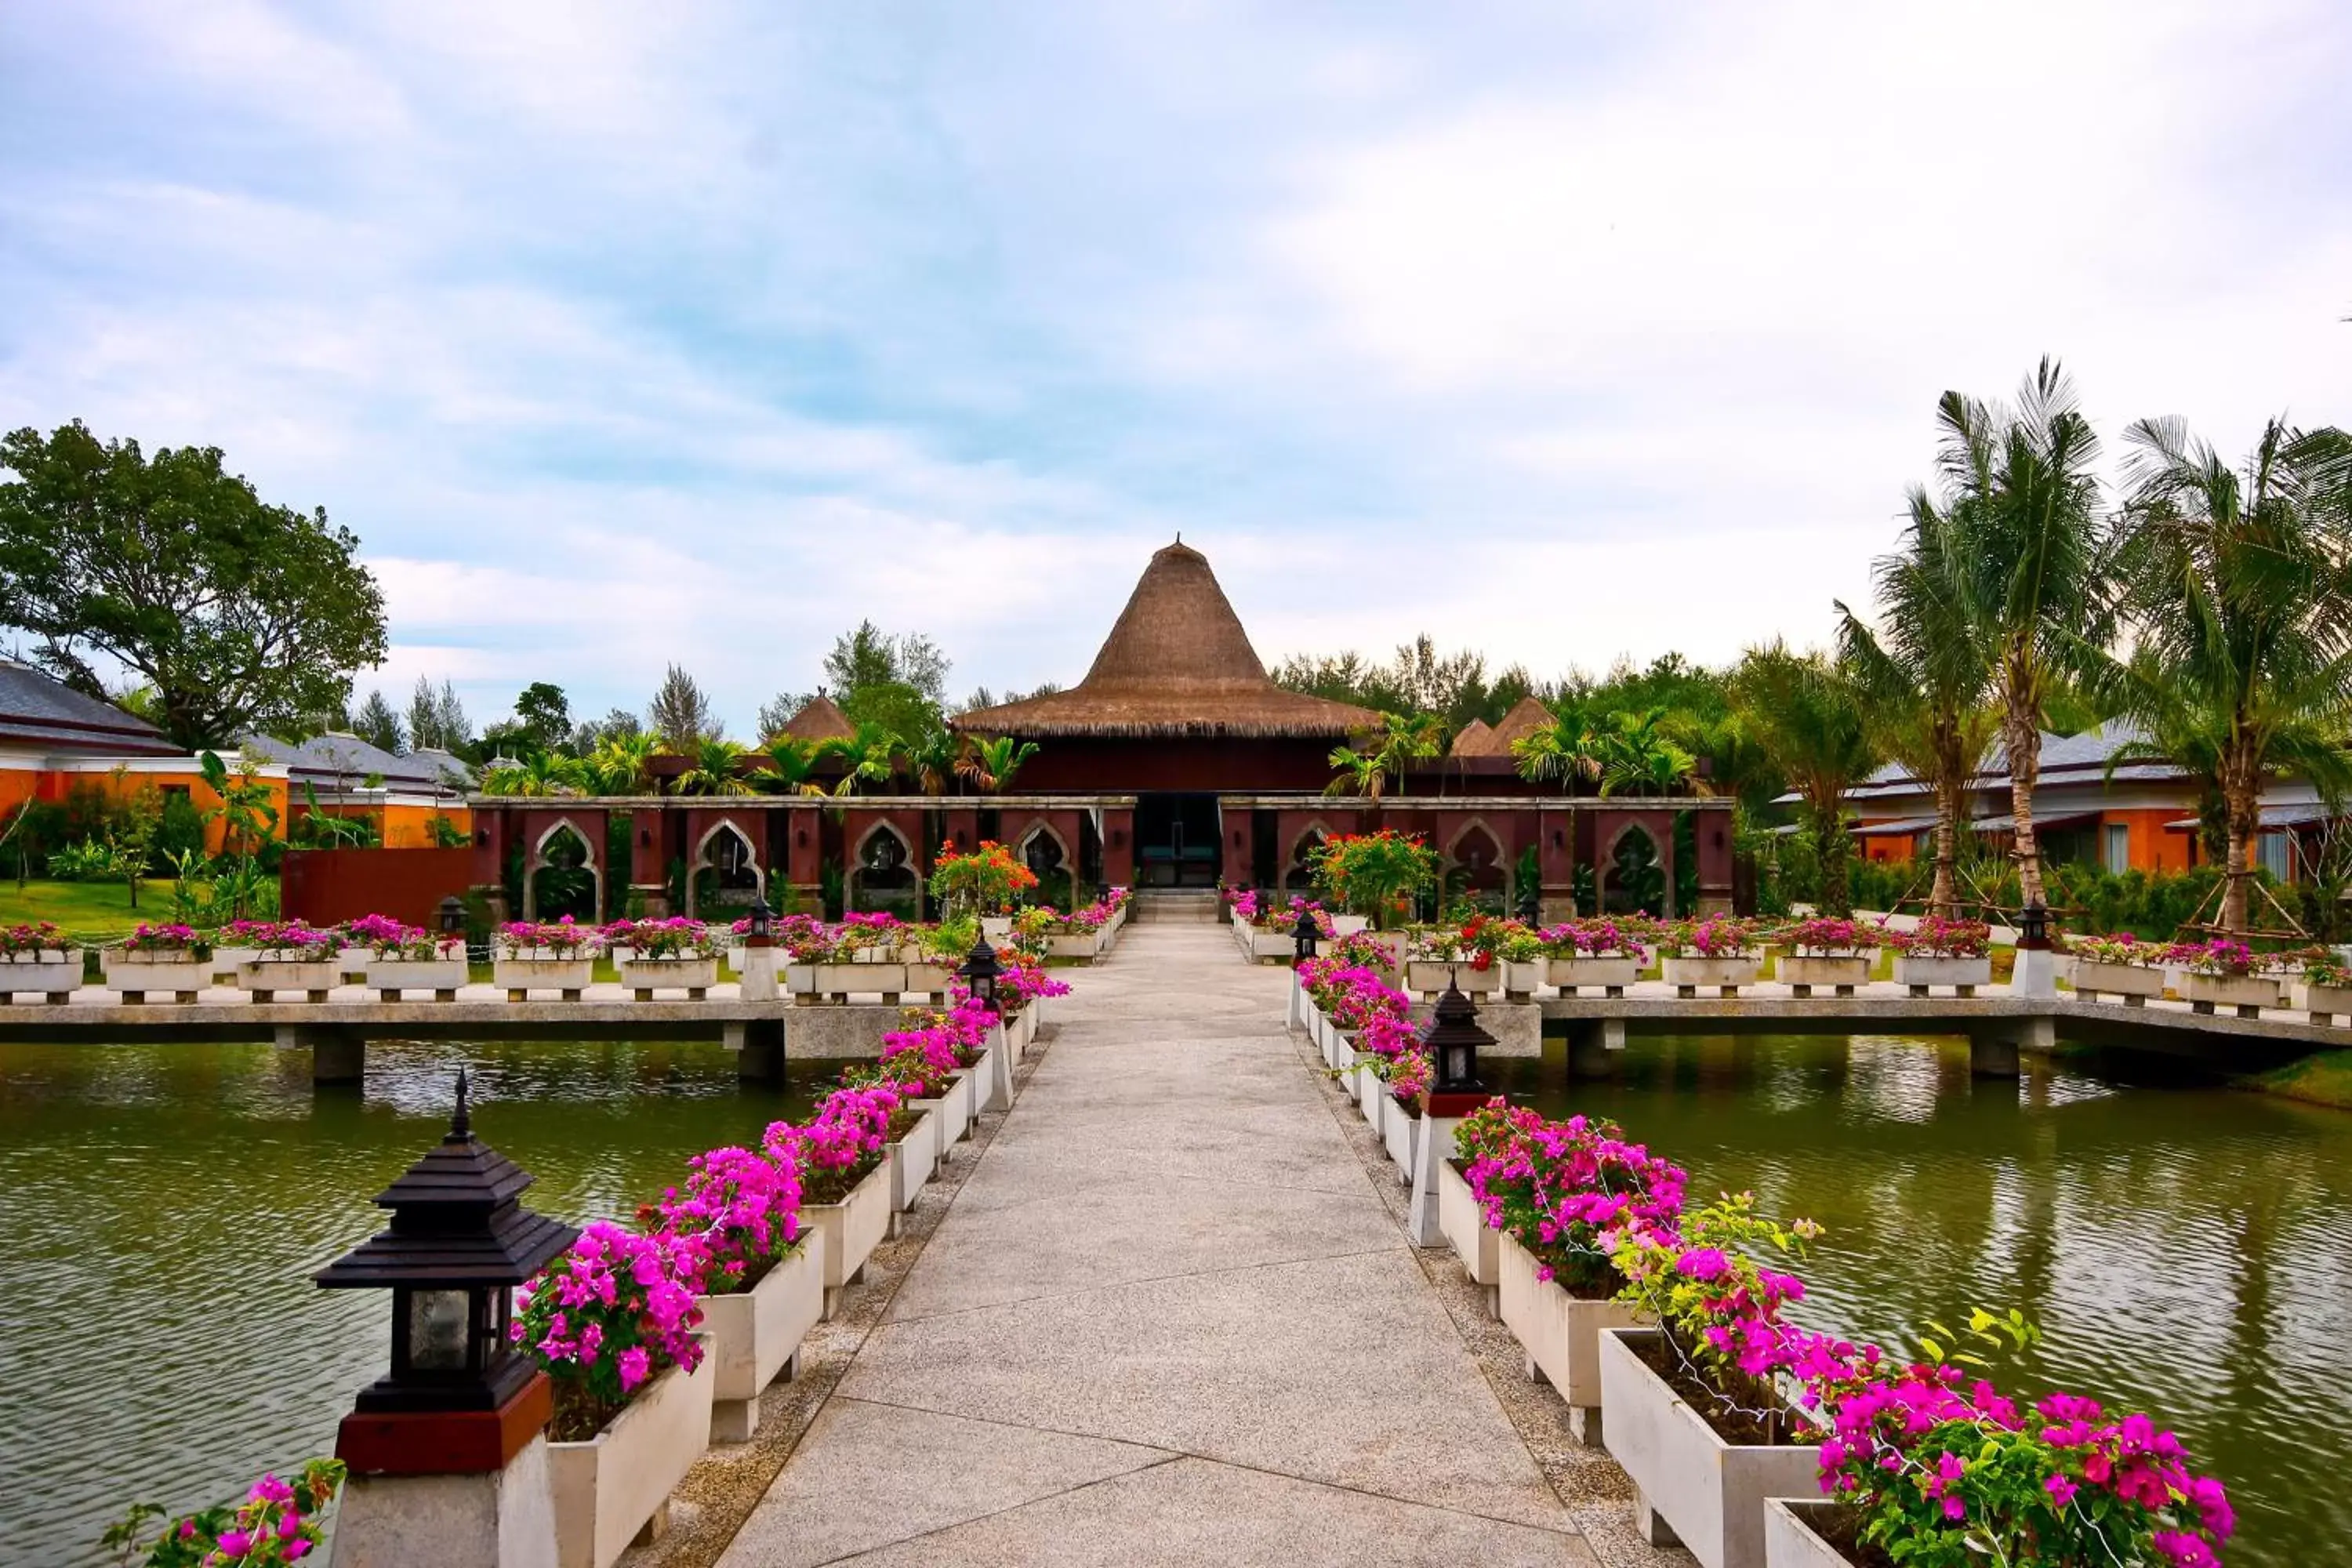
pixel 625 335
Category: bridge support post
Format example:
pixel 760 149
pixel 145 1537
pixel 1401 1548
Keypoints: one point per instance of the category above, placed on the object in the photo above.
pixel 337 1056
pixel 1595 1048
pixel 758 1047
pixel 1994 1049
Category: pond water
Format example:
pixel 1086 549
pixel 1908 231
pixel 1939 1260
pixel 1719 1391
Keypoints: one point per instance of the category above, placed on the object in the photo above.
pixel 165 1207
pixel 2186 1249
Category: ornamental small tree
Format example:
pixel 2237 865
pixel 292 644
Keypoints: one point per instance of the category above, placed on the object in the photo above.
pixel 981 882
pixel 1376 874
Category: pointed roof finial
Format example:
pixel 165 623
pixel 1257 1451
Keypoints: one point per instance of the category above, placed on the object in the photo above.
pixel 1179 536
pixel 461 1126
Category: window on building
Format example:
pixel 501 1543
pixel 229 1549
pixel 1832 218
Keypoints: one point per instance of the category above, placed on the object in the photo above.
pixel 2270 851
pixel 2118 847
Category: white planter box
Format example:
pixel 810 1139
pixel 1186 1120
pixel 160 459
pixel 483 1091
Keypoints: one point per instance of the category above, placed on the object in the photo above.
pixel 2249 994
pixel 1788 1538
pixel 1430 974
pixel 2326 1004
pixel 990 1080
pixel 756 1334
pixel 1559 1332
pixel 1710 1493
pixel 2135 982
pixel 607 1488
pixel 1723 975
pixel 853 1228
pixel 137 978
pixel 928 979
pixel 268 977
pixel 1463 1223
pixel 1613 974
pixel 54 972
pixel 1962 974
pixel 695 976
pixel 1396 1132
pixel 952 1112
pixel 226 960
pixel 352 962
pixel 913 1159
pixel 996 928
pixel 1082 944
pixel 1369 1092
pixel 388 977
pixel 1349 925
pixel 1802 973
pixel 518 977
pixel 847 979
pixel 1523 979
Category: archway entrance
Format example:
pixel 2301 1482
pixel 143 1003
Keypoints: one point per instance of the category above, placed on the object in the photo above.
pixel 1475 874
pixel 1176 841
pixel 726 873
pixel 1631 879
pixel 563 880
pixel 1047 861
pixel 883 875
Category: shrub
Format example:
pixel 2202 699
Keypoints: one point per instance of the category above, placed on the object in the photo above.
pixel 613 1311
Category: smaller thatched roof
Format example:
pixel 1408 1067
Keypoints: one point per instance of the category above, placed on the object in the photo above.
pixel 1475 738
pixel 822 720
pixel 1519 723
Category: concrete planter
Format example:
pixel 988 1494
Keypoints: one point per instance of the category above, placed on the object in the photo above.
pixel 953 1111
pixel 226 960
pixel 1396 1132
pixel 1525 979
pixel 1081 945
pixel 614 1485
pixel 1430 975
pixel 1611 974
pixel 1708 1493
pixel 912 1159
pixel 1962 974
pixel 138 978
pixel 1369 1092
pixel 1464 1225
pixel 695 976
pixel 1561 1333
pixel 2249 994
pixel 1790 1541
pixel 1725 976
pixel 853 1228
pixel 996 928
pixel 54 972
pixel 2326 1004
pixel 351 964
pixel 1349 925
pixel 846 979
pixel 388 977
pixel 266 978
pixel 1801 973
pixel 992 1078
pixel 518 977
pixel 2135 982
pixel 924 979
pixel 756 1334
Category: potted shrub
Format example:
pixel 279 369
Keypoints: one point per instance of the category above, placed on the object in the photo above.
pixel 1607 952
pixel 1376 875
pixel 1718 951
pixel 914 1135
pixel 982 882
pixel 2327 988
pixel 288 956
pixel 278 1523
pixel 545 955
pixel 613 1321
pixel 1833 953
pixel 1466 956
pixel 843 1160
pixel 929 1062
pixel 403 958
pixel 759 1278
pixel 2223 973
pixel 2120 965
pixel 34 958
pixel 1692 1409
pixel 1521 953
pixel 167 958
pixel 1555 1191
pixel 677 954
pixel 1937 951
pixel 1486 1134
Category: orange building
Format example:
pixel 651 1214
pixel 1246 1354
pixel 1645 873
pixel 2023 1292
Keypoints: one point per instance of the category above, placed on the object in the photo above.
pixel 400 794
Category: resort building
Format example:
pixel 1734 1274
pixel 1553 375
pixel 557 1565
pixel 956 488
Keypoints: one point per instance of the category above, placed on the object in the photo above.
pixel 399 793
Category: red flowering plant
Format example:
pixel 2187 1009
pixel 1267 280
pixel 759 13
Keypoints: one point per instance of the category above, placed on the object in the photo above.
pixel 388 938
pixel 1476 941
pixel 296 941
pixel 983 882
pixel 31 941
pixel 559 939
pixel 677 937
pixel 155 941
pixel 1568 1192
pixel 1829 936
pixel 613 1311
pixel 1376 875
pixel 739 1209
pixel 276 1523
pixel 1712 936
pixel 1935 937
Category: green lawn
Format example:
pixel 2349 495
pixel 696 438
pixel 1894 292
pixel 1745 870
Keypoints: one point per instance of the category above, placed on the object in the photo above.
pixel 98 910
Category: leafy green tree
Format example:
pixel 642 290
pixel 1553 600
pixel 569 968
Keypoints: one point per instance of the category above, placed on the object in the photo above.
pixel 136 831
pixel 869 757
pixel 1565 750
pixel 989 765
pixel 244 616
pixel 795 760
pixel 618 764
pixel 537 774
pixel 681 714
pixel 896 706
pixel 1637 756
pixel 871 656
pixel 2021 484
pixel 378 725
pixel 2237 599
pixel 543 716
pixel 716 770
pixel 1805 712
pixel 1926 675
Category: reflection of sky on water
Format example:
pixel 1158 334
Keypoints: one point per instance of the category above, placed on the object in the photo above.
pixel 2186 1249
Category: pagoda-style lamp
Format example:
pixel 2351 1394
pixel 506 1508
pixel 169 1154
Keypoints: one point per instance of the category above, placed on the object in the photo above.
pixel 763 925
pixel 2034 928
pixel 458 1244
pixel 2035 970
pixel 1306 933
pixel 980 971
pixel 451 915
pixel 1451 1037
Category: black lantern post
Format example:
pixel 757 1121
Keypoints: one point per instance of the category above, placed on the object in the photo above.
pixel 458 1244
pixel 763 925
pixel 980 971
pixel 1306 933
pixel 451 913
pixel 1451 1038
pixel 2033 928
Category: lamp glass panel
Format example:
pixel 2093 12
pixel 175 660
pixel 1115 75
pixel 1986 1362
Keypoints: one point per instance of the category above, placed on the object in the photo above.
pixel 437 1325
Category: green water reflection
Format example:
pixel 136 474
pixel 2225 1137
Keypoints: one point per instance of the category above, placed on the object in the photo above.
pixel 165 1207
pixel 2187 1249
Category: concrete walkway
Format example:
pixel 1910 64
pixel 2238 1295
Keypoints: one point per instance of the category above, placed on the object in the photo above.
pixel 1167 1320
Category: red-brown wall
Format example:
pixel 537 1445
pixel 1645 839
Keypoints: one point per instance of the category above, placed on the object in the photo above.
pixel 327 887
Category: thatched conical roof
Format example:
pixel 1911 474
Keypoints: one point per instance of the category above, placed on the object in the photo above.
pixel 1475 738
pixel 822 720
pixel 1518 724
pixel 1177 662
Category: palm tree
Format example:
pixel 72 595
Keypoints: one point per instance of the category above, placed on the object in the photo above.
pixel 715 769
pixel 989 765
pixel 1635 754
pixel 1807 715
pixel 1566 748
pixel 617 766
pixel 870 755
pixel 2023 496
pixel 1383 752
pixel 1361 773
pixel 1406 740
pixel 2238 595
pixel 537 774
pixel 1927 677
pixel 936 760
pixel 795 760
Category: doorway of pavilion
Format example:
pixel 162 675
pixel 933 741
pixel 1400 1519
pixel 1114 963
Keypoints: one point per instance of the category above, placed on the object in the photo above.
pixel 1176 843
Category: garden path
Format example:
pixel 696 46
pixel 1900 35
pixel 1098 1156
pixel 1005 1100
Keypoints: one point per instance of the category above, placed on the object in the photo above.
pixel 1167 1319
